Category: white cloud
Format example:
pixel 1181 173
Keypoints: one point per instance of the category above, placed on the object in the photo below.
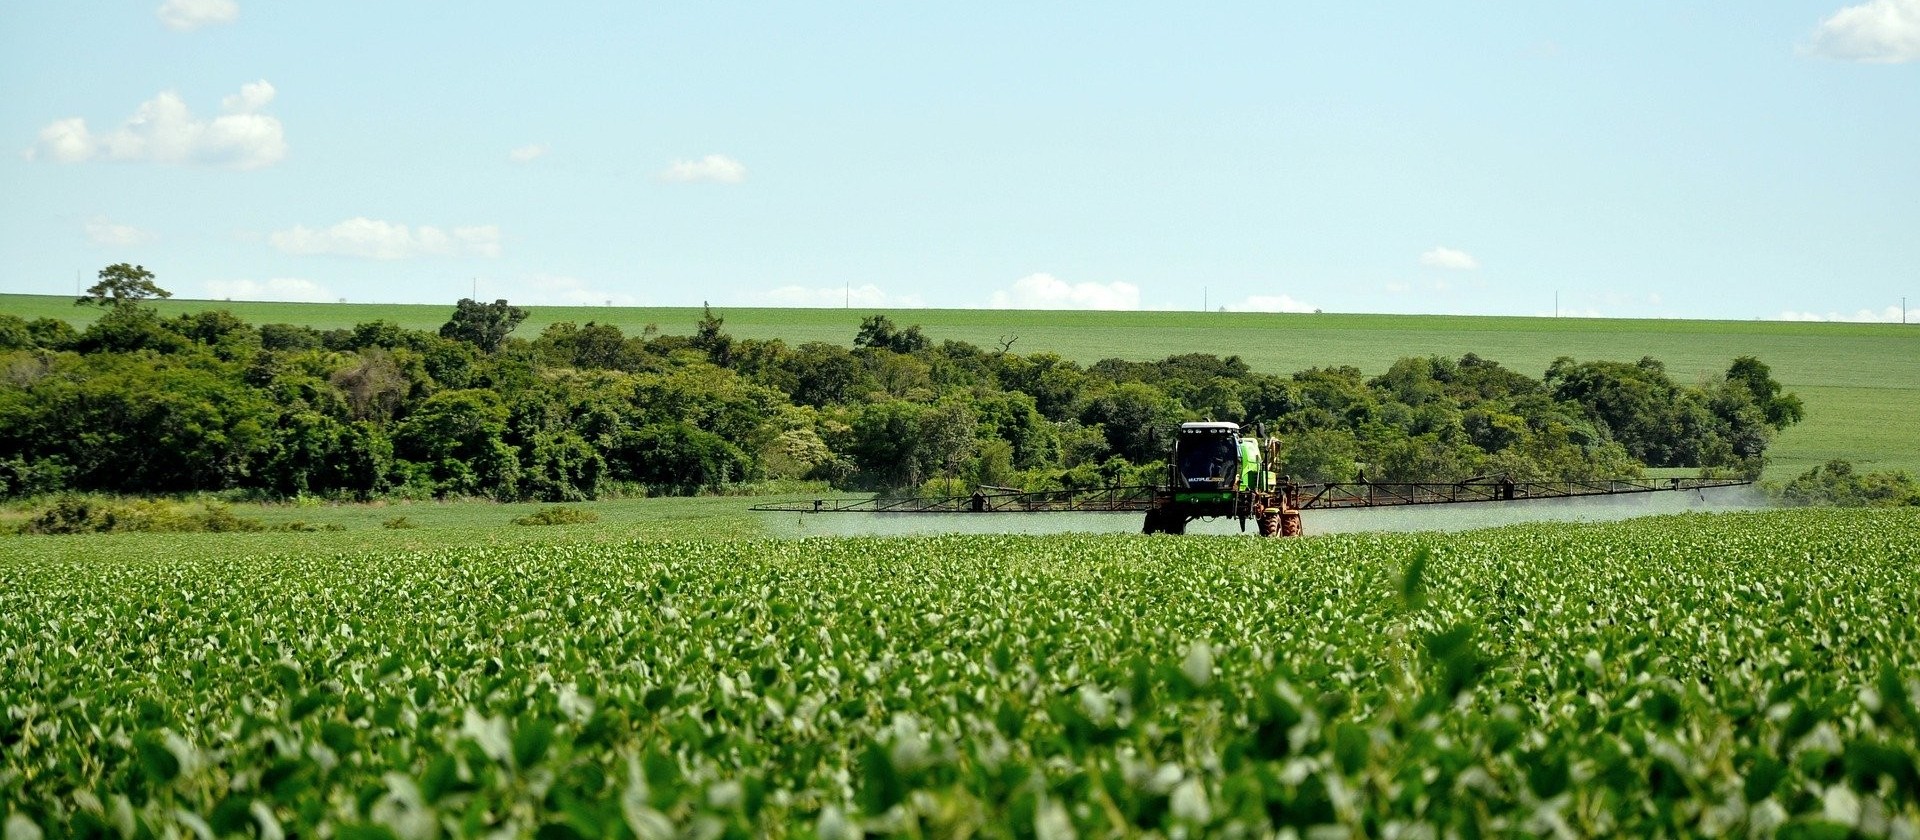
pixel 1270 303
pixel 378 240
pixel 1442 257
pixel 718 169
pixel 525 154
pixel 1044 291
pixel 1876 32
pixel 252 97
pixel 1889 315
pixel 276 289
pixel 107 234
pixel 188 15
pixel 163 130
pixel 559 290
pixel 867 296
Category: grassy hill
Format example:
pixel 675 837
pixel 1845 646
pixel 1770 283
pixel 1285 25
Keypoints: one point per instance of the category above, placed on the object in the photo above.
pixel 1861 382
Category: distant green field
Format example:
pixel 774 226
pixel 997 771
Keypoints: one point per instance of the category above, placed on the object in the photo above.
pixel 1861 382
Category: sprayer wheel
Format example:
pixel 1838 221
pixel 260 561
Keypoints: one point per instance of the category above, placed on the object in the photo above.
pixel 1270 524
pixel 1290 524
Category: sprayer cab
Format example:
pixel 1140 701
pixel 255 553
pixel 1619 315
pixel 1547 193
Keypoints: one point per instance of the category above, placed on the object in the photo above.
pixel 1207 458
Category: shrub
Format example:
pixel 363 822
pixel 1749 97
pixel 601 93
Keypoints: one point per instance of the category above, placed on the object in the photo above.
pixel 1835 484
pixel 561 515
pixel 301 526
pixel 398 523
pixel 76 514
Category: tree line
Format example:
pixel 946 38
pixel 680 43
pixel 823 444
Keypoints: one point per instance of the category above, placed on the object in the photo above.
pixel 137 403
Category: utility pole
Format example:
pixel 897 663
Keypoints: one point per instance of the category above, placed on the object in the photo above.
pixel 1556 303
pixel 476 290
pixel 1204 303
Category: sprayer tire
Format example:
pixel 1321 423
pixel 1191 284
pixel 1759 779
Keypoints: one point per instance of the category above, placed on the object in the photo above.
pixel 1270 524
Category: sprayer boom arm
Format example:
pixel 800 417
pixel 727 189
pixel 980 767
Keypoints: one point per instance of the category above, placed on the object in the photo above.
pixel 1138 498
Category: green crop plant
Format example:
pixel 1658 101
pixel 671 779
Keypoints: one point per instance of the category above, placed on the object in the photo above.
pixel 1744 674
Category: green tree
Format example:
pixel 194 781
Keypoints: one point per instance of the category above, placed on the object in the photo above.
pixel 52 333
pixel 138 423
pixel 1836 483
pixel 944 439
pixel 483 325
pixel 127 329
pixel 288 337
pixel 561 466
pixel 676 458
pixel 1136 418
pixel 1054 383
pixel 122 284
pixel 820 374
pixel 312 452
pixel 1317 455
pixel 459 439
pixel 878 332
pixel 594 346
pixel 883 443
pixel 1781 410
pixel 711 337
pixel 14 333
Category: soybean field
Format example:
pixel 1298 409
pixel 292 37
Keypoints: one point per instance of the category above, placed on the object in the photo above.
pixel 1735 673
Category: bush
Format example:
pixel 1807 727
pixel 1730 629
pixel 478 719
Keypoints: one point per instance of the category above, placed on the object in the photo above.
pixel 561 515
pixel 301 526
pixel 398 523
pixel 76 514
pixel 1835 484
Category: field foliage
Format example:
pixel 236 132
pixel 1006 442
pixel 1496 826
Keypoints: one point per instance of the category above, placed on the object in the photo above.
pixel 1742 673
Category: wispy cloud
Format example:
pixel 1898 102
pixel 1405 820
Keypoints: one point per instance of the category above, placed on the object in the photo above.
pixel 277 289
pixel 107 234
pixel 1422 286
pixel 380 240
pixel 527 154
pixel 716 169
pixel 1045 291
pixel 1889 315
pixel 1875 32
pixel 562 290
pixel 164 130
pixel 865 296
pixel 1443 257
pixel 1271 303
pixel 188 15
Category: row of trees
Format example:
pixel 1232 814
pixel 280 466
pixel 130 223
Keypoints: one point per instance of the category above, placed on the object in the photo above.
pixel 140 403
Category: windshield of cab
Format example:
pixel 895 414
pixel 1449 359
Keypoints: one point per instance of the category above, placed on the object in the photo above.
pixel 1205 460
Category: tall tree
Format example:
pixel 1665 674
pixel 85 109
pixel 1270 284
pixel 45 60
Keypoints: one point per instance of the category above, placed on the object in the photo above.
pixel 711 337
pixel 1781 410
pixel 121 283
pixel 484 325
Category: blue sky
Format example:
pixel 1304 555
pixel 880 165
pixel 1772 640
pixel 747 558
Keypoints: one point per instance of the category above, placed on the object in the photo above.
pixel 1638 159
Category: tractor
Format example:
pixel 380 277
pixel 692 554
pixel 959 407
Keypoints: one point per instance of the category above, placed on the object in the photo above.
pixel 1215 471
